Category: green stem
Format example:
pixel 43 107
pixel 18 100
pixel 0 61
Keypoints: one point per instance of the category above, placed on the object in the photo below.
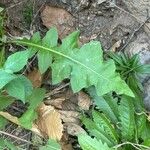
pixel 26 43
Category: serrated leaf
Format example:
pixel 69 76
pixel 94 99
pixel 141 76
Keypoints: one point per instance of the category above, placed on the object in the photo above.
pixel 5 78
pixel 97 131
pixel 127 118
pixel 16 61
pixel 106 104
pixel 51 145
pixel 140 124
pixel 84 66
pixel 146 131
pixel 101 120
pixel 19 88
pixel 88 143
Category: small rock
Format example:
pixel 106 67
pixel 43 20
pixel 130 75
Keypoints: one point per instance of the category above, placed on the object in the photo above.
pixel 59 18
pixel 138 8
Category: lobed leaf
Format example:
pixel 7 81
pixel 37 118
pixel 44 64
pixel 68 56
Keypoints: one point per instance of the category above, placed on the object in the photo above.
pixel 106 104
pixel 101 120
pixel 88 143
pixel 84 66
pixel 97 131
pixel 127 118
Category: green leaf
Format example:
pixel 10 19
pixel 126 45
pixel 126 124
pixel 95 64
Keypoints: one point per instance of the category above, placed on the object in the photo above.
pixel 101 120
pixel 147 142
pixel 3 122
pixel 26 120
pixel 30 115
pixel 88 143
pixel 106 104
pixel 16 61
pixel 97 131
pixel 51 38
pixel 84 66
pixel 140 124
pixel 45 57
pixel 36 97
pixel 146 131
pixel 44 60
pixel 127 118
pixel 5 78
pixel 36 38
pixel 144 69
pixel 5 101
pixel 1 9
pixel 7 144
pixel 51 145
pixel 19 88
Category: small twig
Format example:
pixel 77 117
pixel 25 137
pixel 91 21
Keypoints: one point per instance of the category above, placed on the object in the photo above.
pixel 15 137
pixel 10 7
pixel 133 144
pixel 33 20
pixel 56 90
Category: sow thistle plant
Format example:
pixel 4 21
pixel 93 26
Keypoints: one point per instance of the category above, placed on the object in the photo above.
pixel 114 120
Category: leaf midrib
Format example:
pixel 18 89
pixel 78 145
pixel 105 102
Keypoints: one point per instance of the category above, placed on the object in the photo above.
pixel 58 53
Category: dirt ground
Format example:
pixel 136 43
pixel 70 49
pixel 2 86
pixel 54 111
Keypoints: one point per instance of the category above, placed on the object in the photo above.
pixel 120 24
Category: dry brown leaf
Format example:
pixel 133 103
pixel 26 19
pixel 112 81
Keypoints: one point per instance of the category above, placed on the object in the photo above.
pixel 49 122
pixel 59 18
pixel 116 46
pixel 57 103
pixel 65 142
pixel 10 117
pixel 74 129
pixel 70 116
pixel 35 77
pixel 15 120
pixel 84 101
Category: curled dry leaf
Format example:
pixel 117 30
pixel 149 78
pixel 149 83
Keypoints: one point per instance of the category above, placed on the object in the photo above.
pixel 57 103
pixel 74 129
pixel 65 142
pixel 59 18
pixel 116 46
pixel 84 101
pixel 70 116
pixel 49 122
pixel 35 77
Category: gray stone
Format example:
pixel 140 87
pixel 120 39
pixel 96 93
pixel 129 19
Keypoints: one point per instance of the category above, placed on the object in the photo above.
pixel 139 8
